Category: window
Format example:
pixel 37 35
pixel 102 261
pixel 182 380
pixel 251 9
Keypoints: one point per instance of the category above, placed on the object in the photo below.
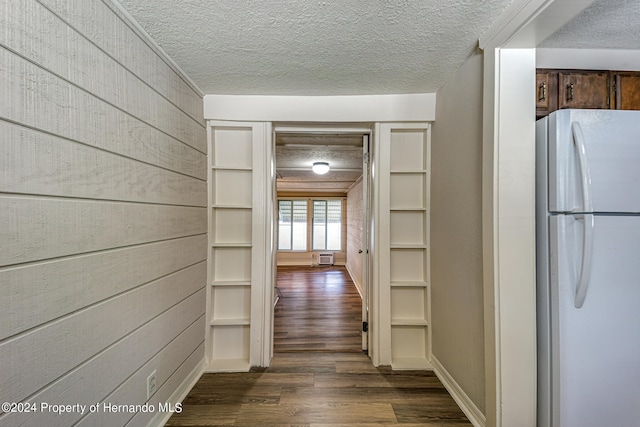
pixel 321 220
pixel 292 225
pixel 327 225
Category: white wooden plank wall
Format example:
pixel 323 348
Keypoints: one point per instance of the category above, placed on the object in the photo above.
pixel 103 215
pixel 354 228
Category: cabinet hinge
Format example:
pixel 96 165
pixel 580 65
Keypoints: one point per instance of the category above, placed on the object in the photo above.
pixel 365 157
pixel 365 326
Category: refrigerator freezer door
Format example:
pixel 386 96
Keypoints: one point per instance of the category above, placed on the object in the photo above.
pixel 610 143
pixel 595 349
pixel 542 272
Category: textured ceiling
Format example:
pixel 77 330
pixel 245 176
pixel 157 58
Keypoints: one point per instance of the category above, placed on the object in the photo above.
pixel 357 47
pixel 605 24
pixel 317 47
pixel 296 152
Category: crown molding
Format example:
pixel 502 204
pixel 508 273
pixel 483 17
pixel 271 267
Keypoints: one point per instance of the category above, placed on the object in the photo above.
pixel 526 23
pixel 142 33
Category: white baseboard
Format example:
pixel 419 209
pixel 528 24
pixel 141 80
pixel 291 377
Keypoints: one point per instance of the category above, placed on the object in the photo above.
pixel 295 263
pixel 305 263
pixel 179 394
pixel 358 285
pixel 469 408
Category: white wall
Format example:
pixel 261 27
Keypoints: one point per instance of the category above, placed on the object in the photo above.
pixel 589 59
pixel 102 214
pixel 456 231
pixel 355 224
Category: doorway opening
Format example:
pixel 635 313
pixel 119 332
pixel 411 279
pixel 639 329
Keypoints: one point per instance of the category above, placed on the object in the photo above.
pixel 319 309
pixel 321 301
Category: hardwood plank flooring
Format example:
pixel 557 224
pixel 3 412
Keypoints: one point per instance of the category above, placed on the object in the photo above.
pixel 319 310
pixel 312 382
pixel 315 389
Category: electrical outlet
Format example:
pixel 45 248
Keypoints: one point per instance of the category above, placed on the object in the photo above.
pixel 151 384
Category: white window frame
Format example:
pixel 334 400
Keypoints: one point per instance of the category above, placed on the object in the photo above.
pixel 326 201
pixel 292 200
pixel 310 200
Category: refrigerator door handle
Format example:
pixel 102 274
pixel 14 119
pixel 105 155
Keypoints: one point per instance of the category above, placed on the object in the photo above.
pixel 587 254
pixel 585 173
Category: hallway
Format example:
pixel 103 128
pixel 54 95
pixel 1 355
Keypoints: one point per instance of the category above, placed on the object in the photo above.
pixel 318 375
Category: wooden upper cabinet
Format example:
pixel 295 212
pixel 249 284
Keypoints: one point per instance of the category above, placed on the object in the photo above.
pixel 546 92
pixel 626 90
pixel 583 89
pixel 602 89
pixel 542 97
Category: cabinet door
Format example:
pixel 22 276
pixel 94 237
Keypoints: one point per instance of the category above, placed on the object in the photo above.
pixel 583 89
pixel 627 90
pixel 546 92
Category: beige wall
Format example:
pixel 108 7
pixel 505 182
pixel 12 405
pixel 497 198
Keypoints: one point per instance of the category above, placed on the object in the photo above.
pixel 103 214
pixel 456 230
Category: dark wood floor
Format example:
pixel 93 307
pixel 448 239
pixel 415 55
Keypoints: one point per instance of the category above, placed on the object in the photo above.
pixel 319 309
pixel 314 381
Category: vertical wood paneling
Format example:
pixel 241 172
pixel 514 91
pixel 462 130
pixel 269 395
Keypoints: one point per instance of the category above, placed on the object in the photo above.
pixel 102 212
pixel 354 228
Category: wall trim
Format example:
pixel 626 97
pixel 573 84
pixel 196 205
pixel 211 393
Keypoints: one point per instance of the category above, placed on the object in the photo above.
pixel 517 15
pixel 469 408
pixel 329 109
pixel 526 23
pixel 179 394
pixel 357 285
pixel 305 263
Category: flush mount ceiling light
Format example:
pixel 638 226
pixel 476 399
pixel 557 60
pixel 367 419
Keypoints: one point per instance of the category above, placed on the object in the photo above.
pixel 320 167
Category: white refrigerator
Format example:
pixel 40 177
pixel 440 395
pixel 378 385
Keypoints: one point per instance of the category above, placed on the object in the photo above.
pixel 588 268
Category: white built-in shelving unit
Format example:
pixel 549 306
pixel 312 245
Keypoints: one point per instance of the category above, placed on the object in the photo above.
pixel 409 292
pixel 236 250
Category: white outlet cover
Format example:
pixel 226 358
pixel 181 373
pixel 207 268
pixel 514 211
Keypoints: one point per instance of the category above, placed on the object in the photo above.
pixel 151 384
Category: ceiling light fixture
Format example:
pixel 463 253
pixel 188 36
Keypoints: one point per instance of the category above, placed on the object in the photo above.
pixel 320 167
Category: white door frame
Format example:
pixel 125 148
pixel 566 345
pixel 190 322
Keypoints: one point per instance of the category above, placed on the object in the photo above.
pixel 367 132
pixel 366 238
pixel 339 110
pixel 508 204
